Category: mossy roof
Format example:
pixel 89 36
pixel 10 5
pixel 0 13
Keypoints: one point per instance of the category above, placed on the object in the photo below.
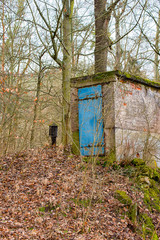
pixel 107 77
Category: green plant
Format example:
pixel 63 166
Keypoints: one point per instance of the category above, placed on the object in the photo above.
pixel 148 227
pixel 82 202
pixel 123 197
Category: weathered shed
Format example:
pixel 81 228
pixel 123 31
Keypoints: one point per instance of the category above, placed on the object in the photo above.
pixel 116 112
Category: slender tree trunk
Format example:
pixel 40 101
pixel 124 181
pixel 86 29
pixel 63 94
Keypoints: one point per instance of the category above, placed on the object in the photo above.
pixel 101 44
pixel 3 46
pixel 117 15
pixel 102 41
pixel 36 102
pixel 3 61
pixel 67 60
pixel 118 46
pixel 3 77
pixel 156 74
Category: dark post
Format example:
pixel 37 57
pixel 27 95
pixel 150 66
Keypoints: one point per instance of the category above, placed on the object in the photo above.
pixel 53 133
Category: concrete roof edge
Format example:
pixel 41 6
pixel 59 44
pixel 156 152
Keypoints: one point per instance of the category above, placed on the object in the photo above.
pixel 133 78
pixel 108 76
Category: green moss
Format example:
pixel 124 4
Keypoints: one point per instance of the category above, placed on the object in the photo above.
pixel 109 77
pixel 138 79
pixel 152 191
pixel 111 158
pixel 132 213
pixel 155 197
pixel 152 197
pixel 144 170
pixel 156 175
pixel 147 222
pixel 103 75
pixel 132 207
pixel 123 197
pixel 42 209
pixel 75 143
pixel 154 236
pixel 137 162
pixel 70 156
pixel 147 198
pixel 147 180
pixel 153 184
pixel 93 77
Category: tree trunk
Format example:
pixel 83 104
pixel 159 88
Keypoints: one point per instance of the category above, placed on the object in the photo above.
pixel 3 77
pixel 66 70
pixel 102 41
pixel 156 74
pixel 117 15
pixel 3 58
pixel 36 101
pixel 118 46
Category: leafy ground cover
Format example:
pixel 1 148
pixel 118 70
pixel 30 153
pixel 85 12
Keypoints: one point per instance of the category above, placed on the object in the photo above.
pixel 45 194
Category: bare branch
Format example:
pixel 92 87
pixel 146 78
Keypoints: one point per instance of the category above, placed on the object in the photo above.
pixel 137 22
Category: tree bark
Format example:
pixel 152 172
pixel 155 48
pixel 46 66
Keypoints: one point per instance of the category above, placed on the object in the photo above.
pixel 3 75
pixel 102 41
pixel 36 103
pixel 3 57
pixel 66 70
pixel 118 46
pixel 157 50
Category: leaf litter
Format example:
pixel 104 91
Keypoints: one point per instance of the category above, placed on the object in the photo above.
pixel 48 195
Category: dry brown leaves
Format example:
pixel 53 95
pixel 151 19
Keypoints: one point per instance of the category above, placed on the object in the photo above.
pixel 45 195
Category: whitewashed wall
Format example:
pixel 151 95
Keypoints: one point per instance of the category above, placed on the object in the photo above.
pixel 137 121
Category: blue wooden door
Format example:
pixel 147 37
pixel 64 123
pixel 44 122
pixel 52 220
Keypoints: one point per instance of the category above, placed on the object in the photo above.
pixel 90 121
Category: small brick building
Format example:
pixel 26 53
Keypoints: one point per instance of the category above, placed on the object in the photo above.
pixel 116 112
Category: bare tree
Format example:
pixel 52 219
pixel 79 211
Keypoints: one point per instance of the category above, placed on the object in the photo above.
pixel 66 69
pixel 14 61
pixel 53 47
pixel 117 15
pixel 36 100
pixel 102 41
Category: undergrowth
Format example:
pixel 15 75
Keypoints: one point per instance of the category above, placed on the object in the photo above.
pixel 146 180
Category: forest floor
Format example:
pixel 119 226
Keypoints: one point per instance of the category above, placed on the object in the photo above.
pixel 45 194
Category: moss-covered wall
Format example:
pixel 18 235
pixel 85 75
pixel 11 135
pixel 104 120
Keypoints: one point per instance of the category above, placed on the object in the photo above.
pixel 110 76
pixel 94 79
